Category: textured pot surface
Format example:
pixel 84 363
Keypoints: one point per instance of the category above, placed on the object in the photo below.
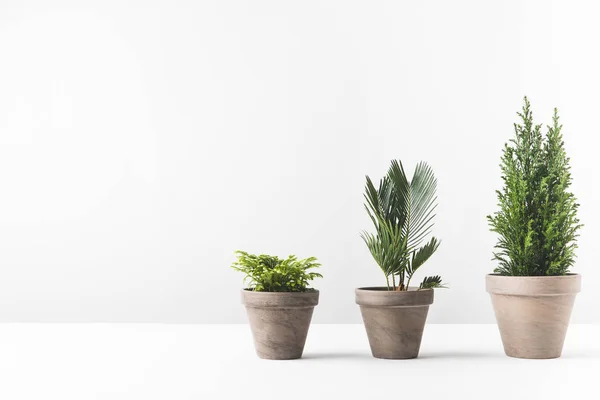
pixel 394 320
pixel 533 312
pixel 279 322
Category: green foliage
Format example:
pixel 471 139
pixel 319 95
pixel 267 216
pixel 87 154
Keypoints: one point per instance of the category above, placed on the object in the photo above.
pixel 402 213
pixel 271 274
pixel 537 221
pixel 430 282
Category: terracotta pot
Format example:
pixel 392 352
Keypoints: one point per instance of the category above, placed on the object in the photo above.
pixel 533 312
pixel 279 321
pixel 394 320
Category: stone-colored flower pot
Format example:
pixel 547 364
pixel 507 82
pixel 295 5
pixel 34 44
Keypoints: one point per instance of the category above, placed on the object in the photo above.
pixel 394 320
pixel 279 321
pixel 533 312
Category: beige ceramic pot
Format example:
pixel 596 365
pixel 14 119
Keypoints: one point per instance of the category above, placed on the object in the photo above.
pixel 394 320
pixel 279 322
pixel 533 312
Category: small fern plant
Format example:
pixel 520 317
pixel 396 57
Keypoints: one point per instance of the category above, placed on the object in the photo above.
pixel 266 273
pixel 402 212
pixel 537 220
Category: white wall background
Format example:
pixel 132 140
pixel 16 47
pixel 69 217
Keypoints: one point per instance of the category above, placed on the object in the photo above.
pixel 141 143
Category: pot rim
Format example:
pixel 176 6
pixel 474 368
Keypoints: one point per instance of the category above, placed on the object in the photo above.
pixel 250 298
pixel 379 296
pixel 384 289
pixel 569 275
pixel 553 285
pixel 311 292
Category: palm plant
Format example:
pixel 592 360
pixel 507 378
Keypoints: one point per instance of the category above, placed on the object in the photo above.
pixel 402 213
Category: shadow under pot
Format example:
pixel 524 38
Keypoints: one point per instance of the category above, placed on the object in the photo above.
pixel 394 320
pixel 279 321
pixel 533 312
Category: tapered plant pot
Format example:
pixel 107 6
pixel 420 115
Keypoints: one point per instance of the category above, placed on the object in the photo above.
pixel 279 321
pixel 533 312
pixel 394 320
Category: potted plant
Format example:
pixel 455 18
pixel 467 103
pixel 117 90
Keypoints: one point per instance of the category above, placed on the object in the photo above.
pixel 402 212
pixel 532 290
pixel 279 302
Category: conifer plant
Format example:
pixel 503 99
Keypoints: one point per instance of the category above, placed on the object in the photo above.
pixel 537 219
pixel 532 290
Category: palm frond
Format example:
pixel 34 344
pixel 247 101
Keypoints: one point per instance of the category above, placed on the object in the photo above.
pixel 432 282
pixel 400 198
pixel 402 213
pixel 419 257
pixel 386 247
pixel 422 204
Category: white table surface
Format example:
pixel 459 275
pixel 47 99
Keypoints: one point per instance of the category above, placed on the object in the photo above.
pixel 153 361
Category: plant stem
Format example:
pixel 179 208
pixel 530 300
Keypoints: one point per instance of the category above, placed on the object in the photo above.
pixel 393 282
